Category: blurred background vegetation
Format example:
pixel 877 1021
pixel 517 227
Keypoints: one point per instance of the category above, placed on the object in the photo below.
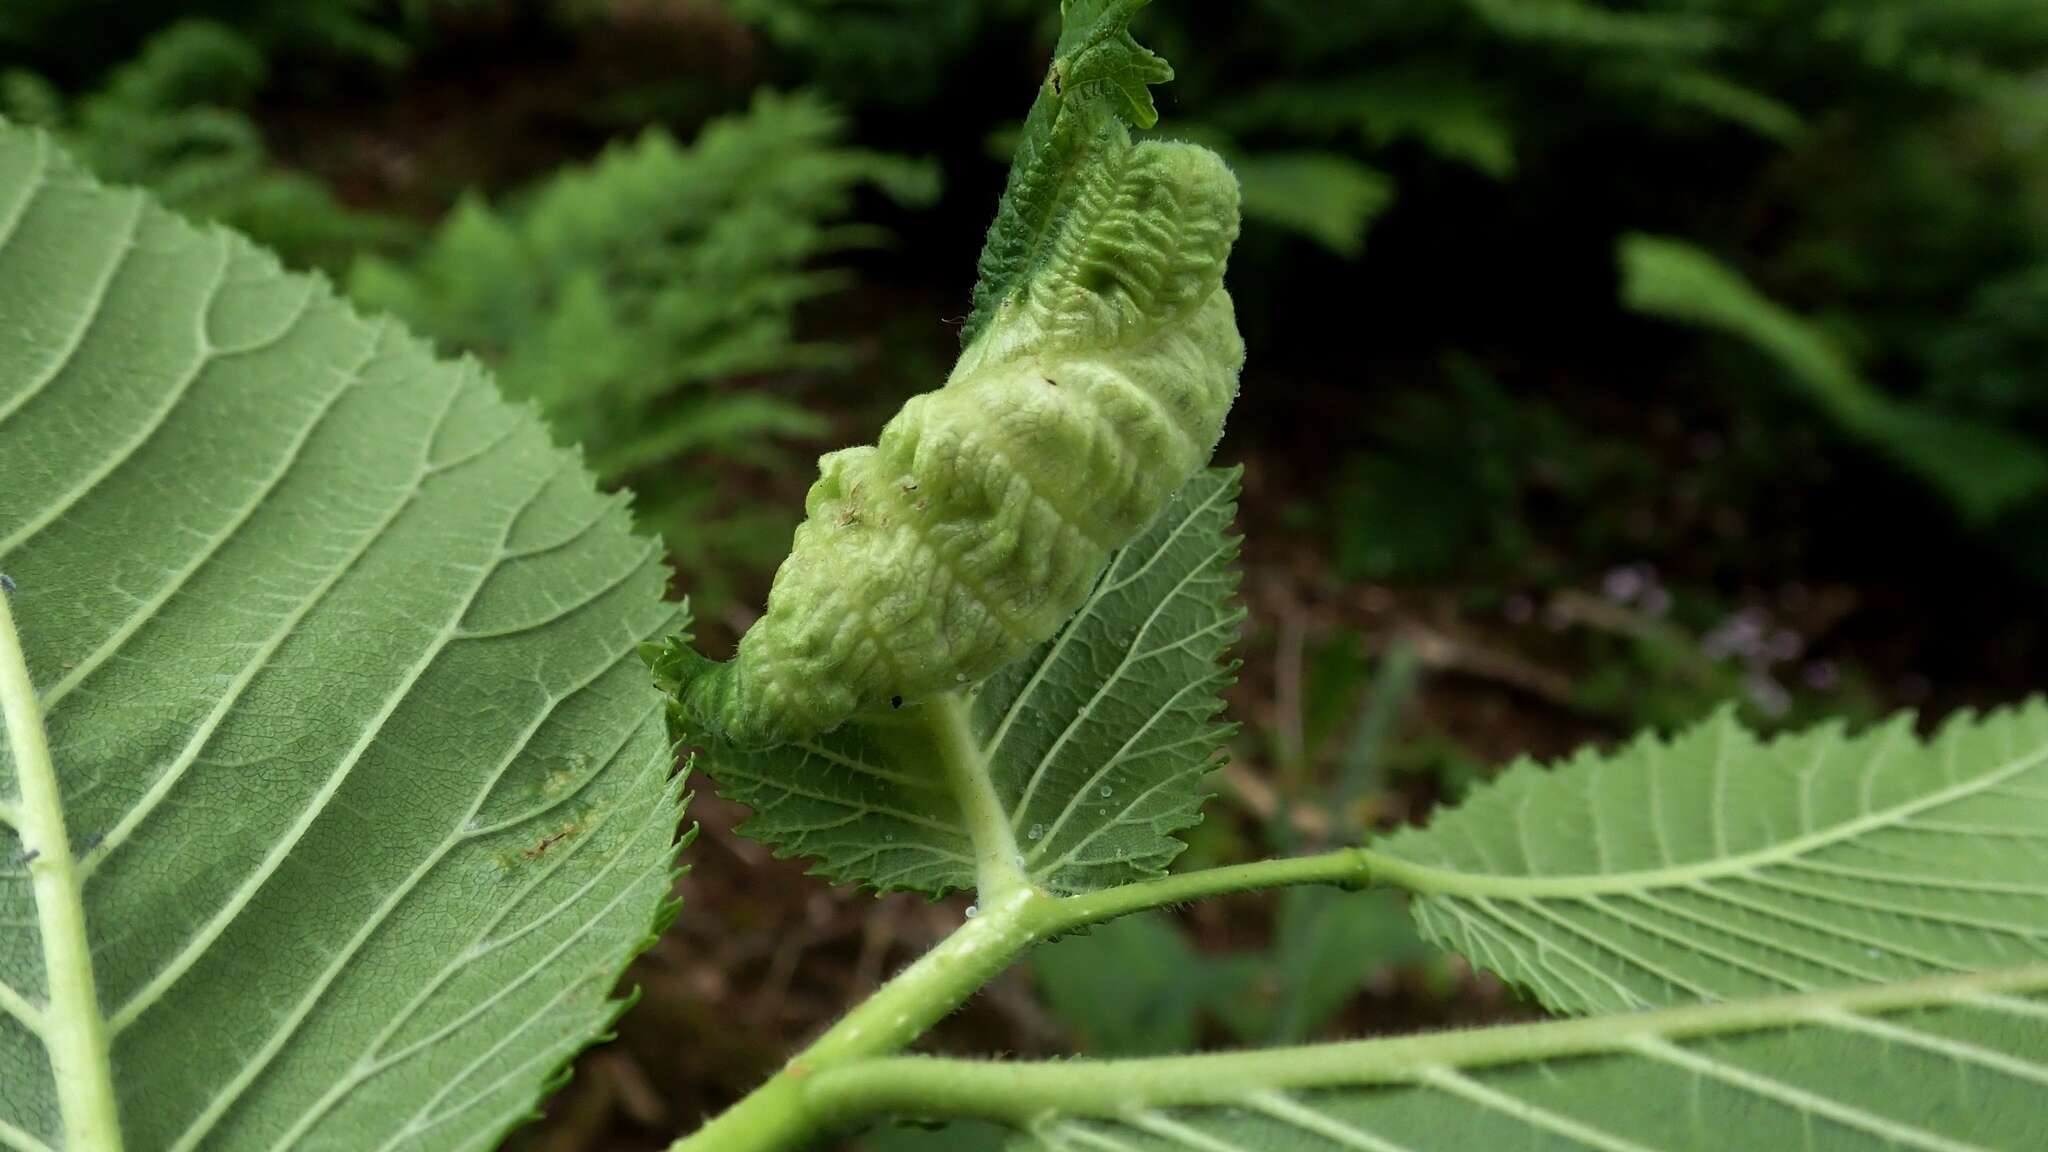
pixel 1611 361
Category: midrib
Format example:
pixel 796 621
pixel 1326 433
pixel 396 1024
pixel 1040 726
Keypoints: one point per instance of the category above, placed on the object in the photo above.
pixel 73 1029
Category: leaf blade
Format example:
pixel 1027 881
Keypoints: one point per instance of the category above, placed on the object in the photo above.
pixel 329 640
pixel 1716 866
pixel 1117 713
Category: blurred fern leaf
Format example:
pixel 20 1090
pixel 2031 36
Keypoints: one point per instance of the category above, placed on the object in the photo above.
pixel 627 296
pixel 1984 469
pixel 1325 196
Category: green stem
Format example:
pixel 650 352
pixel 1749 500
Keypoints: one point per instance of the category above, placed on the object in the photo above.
pixel 1346 867
pixel 1021 1094
pixel 998 868
pixel 1009 916
pixel 782 1114
pixel 775 1116
pixel 71 1027
pixel 1012 915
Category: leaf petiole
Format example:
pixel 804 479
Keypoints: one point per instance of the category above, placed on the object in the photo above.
pixel 1011 915
pixel 775 1116
pixel 1343 867
pixel 998 868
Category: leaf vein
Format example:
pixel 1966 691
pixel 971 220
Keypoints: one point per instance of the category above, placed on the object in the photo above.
pixel 153 991
pixel 206 357
pixel 94 306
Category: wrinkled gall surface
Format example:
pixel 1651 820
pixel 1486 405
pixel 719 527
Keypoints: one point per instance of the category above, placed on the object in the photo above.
pixel 976 525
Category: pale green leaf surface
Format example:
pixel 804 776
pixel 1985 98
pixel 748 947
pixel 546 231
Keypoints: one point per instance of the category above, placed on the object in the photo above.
pixel 1961 1067
pixel 1716 866
pixel 1095 745
pixel 1983 468
pixel 367 796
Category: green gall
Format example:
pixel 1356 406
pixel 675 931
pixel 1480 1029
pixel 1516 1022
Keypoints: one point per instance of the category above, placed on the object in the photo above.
pixel 979 521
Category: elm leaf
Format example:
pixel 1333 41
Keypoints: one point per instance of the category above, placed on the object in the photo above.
pixel 334 796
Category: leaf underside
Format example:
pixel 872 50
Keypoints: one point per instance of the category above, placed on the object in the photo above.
pixel 369 791
pixel 1938 1077
pixel 1716 866
pixel 1095 745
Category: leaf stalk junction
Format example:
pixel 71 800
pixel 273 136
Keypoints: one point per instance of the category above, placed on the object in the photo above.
pixel 827 1086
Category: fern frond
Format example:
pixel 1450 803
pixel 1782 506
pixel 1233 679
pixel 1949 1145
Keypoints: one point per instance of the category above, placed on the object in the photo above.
pixel 621 293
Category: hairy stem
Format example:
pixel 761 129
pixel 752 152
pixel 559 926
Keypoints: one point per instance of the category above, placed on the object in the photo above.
pixel 1009 916
pixel 776 1117
pixel 785 1114
pixel 1022 1093
pixel 1346 867
pixel 72 1026
pixel 998 868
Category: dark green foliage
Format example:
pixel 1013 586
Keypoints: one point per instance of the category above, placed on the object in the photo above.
pixel 1136 987
pixel 1469 83
pixel 1327 945
pixel 627 296
pixel 1880 166
pixel 895 53
pixel 78 37
pixel 176 119
pixel 1981 467
pixel 1991 360
pixel 1450 480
